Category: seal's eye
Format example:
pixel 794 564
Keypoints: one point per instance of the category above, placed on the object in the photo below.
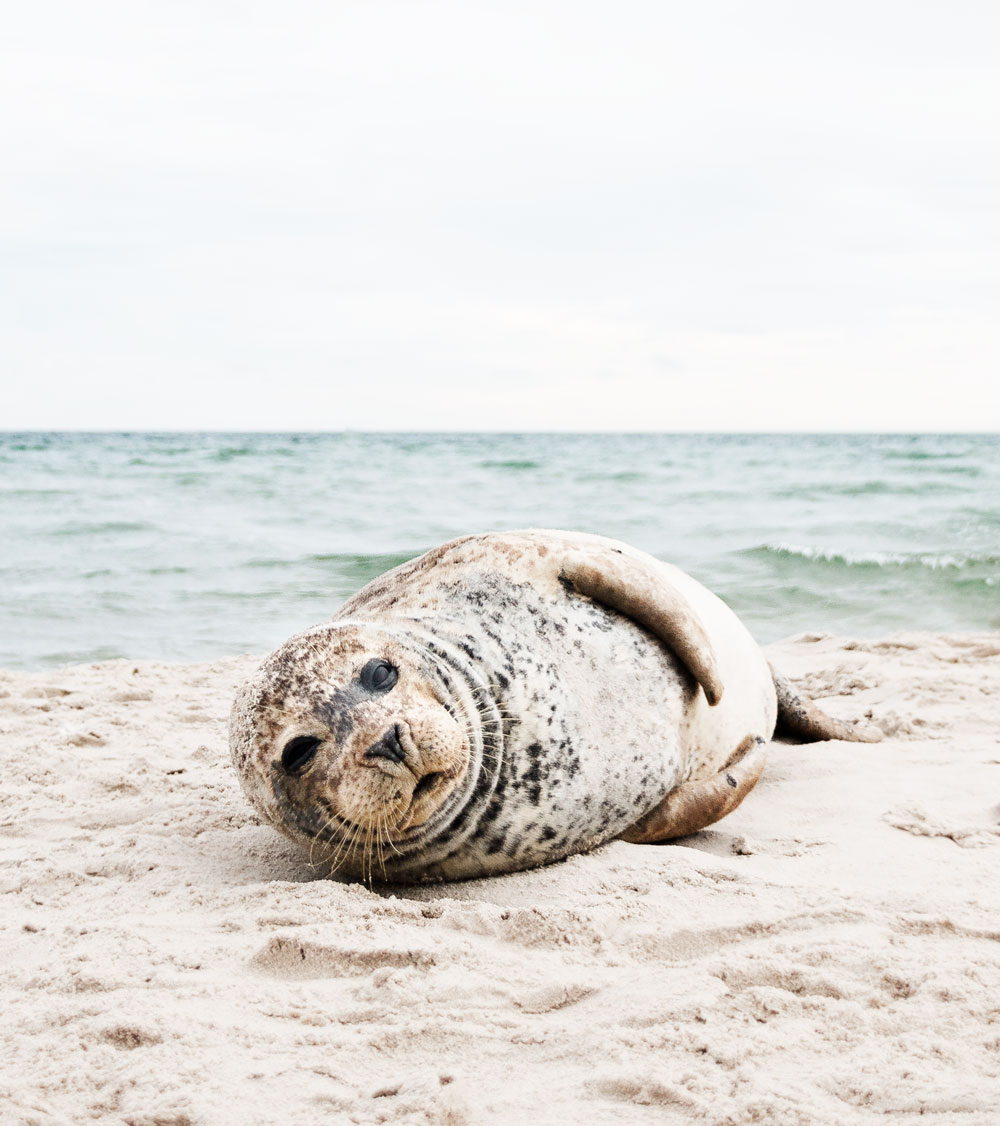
pixel 299 753
pixel 379 676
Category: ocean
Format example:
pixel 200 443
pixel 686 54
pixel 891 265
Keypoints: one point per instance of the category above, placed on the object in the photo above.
pixel 192 546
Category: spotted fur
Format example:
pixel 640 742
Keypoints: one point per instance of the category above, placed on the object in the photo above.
pixel 562 722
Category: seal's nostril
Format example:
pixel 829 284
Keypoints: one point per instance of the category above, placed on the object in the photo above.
pixel 388 747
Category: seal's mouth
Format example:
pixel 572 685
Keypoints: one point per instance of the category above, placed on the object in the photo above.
pixel 426 784
pixel 422 803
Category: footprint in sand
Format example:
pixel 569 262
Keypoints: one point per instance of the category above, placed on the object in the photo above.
pixel 294 956
pixel 920 823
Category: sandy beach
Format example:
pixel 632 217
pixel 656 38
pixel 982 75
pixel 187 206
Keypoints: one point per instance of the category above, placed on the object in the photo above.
pixel 830 953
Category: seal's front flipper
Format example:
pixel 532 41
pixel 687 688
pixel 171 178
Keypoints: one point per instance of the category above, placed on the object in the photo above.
pixel 637 590
pixel 694 805
pixel 801 718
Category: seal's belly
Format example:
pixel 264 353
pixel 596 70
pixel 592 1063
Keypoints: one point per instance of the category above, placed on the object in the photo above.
pixel 593 711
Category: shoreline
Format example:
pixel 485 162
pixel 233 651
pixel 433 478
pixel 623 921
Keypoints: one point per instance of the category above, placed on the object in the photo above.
pixel 828 952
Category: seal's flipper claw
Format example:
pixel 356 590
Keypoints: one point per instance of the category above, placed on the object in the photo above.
pixel 802 718
pixel 694 805
pixel 635 589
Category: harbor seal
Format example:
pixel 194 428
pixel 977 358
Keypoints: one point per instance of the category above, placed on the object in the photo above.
pixel 506 700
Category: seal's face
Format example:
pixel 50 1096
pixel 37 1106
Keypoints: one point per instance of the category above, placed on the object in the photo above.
pixel 343 740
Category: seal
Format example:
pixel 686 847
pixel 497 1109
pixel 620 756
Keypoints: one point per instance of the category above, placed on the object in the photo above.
pixel 507 700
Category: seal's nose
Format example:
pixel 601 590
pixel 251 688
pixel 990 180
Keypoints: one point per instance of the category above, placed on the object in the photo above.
pixel 388 747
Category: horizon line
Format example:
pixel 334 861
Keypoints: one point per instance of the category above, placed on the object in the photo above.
pixel 121 431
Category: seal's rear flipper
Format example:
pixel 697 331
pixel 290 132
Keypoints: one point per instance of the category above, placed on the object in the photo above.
pixel 694 805
pixel 801 718
pixel 626 584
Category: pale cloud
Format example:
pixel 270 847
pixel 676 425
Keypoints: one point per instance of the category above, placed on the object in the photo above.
pixel 546 215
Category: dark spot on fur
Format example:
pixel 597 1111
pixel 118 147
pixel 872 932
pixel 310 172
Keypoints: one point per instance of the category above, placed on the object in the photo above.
pixel 337 711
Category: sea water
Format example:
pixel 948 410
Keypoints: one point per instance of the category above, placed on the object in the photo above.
pixel 192 546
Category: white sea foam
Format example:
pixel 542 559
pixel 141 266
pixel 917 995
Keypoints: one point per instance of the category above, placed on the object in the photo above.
pixel 931 560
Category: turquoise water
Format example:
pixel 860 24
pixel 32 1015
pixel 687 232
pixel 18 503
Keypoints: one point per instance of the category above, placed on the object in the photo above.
pixel 191 546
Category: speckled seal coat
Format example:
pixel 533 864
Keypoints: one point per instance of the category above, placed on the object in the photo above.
pixel 495 705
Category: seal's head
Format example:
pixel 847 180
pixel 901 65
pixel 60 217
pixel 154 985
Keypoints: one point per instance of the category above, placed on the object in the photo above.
pixel 346 743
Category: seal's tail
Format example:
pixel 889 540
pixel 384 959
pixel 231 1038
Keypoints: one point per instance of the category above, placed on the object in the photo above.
pixel 801 718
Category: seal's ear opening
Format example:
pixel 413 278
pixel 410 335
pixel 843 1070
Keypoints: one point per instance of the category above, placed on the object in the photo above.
pixel 299 753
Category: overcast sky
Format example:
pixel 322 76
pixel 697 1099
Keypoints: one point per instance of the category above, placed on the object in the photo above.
pixel 540 215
